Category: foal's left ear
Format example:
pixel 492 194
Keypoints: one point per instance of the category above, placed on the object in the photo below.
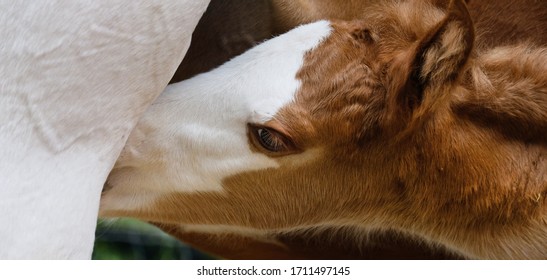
pixel 420 75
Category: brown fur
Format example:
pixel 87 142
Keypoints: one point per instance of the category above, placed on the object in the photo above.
pixel 288 14
pixel 507 22
pixel 228 28
pixel 328 243
pixel 451 150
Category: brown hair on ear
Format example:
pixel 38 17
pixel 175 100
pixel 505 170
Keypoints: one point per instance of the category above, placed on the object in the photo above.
pixel 444 51
pixel 420 75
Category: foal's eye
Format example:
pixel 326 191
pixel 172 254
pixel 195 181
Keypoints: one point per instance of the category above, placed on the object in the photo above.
pixel 270 140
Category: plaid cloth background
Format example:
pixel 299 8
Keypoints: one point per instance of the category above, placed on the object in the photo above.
pixel 129 239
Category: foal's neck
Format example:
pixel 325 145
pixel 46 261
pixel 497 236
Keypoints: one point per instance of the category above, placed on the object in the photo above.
pixel 507 92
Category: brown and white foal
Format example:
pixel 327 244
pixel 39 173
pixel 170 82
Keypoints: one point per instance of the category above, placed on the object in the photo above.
pixel 390 123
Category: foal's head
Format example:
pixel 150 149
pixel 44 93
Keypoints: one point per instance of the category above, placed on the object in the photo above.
pixel 332 123
pixel 305 129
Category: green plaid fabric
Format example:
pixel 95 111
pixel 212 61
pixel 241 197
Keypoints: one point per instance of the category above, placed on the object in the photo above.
pixel 129 239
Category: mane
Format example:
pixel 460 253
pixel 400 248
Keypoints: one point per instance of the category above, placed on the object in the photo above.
pixel 507 91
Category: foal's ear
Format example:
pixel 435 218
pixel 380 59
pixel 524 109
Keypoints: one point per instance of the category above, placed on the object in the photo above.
pixel 420 76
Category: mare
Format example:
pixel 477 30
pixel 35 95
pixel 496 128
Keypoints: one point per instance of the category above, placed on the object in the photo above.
pixel 75 78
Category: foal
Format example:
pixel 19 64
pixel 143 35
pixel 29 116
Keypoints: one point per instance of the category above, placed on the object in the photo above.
pixel 390 123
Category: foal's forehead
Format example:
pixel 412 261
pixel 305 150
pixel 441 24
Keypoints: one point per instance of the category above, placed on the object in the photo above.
pixel 265 77
pixel 337 83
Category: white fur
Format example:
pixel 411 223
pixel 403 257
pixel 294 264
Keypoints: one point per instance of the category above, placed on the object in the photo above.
pixel 75 76
pixel 195 134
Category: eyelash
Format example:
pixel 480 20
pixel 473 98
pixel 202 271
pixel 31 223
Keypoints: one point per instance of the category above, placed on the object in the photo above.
pixel 271 140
